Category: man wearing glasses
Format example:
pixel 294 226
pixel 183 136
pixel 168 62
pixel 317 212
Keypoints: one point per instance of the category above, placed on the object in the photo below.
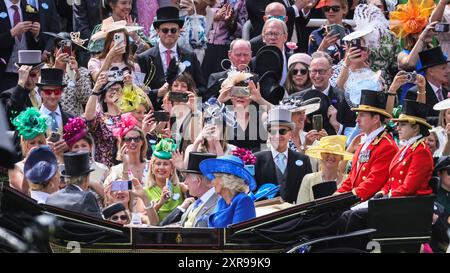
pixel 281 165
pixel 155 61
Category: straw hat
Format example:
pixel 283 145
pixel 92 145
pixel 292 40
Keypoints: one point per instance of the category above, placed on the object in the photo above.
pixel 108 25
pixel 332 145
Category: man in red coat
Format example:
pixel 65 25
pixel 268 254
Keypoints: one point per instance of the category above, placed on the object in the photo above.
pixel 370 164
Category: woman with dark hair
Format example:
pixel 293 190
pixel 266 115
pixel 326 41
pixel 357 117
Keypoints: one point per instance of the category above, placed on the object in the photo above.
pixel 120 11
pixel 411 168
pixel 101 115
pixel 298 74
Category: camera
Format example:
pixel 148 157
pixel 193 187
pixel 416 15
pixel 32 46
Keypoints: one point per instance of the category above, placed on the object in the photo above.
pixel 161 116
pixel 115 76
pixel 411 77
pixel 121 185
pixel 66 47
pixel 240 91
pixel 441 27
pixel 178 96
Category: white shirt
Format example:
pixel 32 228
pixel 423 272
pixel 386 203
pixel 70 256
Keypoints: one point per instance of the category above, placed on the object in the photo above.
pixel 326 90
pixel 369 138
pixel 47 112
pixel 162 52
pixel 39 196
pixel 275 153
pixel 11 11
pixel 406 144
pixel 435 89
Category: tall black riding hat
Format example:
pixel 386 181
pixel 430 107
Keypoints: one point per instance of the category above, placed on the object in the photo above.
pixel 76 164
pixel 168 15
pixel 194 162
pixel 373 101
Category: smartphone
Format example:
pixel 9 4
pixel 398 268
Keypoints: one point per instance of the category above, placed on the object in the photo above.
pixel 121 185
pixel 336 29
pixel 178 96
pixel 442 27
pixel 169 186
pixel 54 137
pixel 240 91
pixel 355 43
pixel 161 116
pixel 66 47
pixel 119 38
pixel 115 75
pixel 317 123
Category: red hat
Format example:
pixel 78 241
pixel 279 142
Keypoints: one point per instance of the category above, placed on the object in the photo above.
pixel 322 3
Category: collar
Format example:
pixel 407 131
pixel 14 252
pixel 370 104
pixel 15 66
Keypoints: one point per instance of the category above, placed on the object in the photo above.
pixel 434 87
pixel 410 141
pixel 275 152
pixel 326 90
pixel 77 187
pixel 205 197
pixel 8 4
pixel 44 110
pixel 162 48
pixel 369 138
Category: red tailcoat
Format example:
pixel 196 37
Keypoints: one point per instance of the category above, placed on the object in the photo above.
pixel 370 176
pixel 410 175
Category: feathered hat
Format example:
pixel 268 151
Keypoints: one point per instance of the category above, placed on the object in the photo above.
pixel 30 123
pixel 74 130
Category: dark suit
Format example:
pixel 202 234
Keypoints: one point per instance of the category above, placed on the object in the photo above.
pixel 345 115
pixel 7 41
pixel 431 100
pixel 73 199
pixel 50 22
pixel 151 59
pixel 178 216
pixel 265 172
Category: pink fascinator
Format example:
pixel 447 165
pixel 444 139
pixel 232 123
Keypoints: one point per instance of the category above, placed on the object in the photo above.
pixel 126 124
pixel 74 130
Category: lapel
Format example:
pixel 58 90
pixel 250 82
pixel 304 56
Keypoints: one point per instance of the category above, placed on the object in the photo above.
pixel 395 160
pixel 290 164
pixel 158 60
pixel 431 96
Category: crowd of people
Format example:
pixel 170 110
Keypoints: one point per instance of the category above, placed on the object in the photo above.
pixel 153 112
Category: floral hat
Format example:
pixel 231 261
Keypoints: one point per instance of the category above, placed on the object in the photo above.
pixel 127 123
pixel 30 123
pixel 164 148
pixel 132 97
pixel 411 17
pixel 74 130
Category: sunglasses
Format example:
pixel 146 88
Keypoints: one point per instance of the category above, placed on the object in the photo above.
pixel 333 8
pixel 49 92
pixel 134 139
pixel 300 71
pixel 121 217
pixel 172 30
pixel 319 71
pixel 281 17
pixel 281 132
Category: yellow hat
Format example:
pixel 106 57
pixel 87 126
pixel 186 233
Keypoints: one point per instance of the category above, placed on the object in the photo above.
pixel 332 145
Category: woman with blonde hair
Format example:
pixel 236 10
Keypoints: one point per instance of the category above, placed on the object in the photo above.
pixel 331 152
pixel 163 188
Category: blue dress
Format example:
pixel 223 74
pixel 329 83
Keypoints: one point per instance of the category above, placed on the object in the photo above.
pixel 241 209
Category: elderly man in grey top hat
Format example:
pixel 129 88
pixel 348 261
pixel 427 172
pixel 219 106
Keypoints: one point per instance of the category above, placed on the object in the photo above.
pixel 76 197
pixel 25 93
pixel 280 164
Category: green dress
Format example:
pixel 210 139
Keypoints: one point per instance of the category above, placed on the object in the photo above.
pixel 154 194
pixel 98 45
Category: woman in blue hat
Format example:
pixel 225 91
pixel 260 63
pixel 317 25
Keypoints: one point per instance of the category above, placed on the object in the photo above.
pixel 232 182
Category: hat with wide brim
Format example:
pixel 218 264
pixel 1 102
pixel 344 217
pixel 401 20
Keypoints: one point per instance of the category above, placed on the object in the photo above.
pixel 372 101
pixel 331 145
pixel 113 209
pixel 168 14
pixel 358 33
pixel 228 164
pixel 41 165
pixel 108 25
pixel 297 104
pixel 442 105
pixel 68 36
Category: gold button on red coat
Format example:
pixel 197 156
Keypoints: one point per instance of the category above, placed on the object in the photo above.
pixel 404 163
pixel 364 178
pixel 401 172
pixel 363 169
pixel 400 181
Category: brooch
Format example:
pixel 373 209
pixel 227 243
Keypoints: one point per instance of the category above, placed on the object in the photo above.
pixel 364 156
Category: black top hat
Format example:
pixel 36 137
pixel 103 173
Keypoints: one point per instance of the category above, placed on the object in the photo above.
pixel 324 189
pixel 413 111
pixel 76 164
pixel 168 15
pixel 271 90
pixel 113 209
pixel 269 58
pixel 432 57
pixel 51 77
pixel 442 163
pixel 194 162
pixel 373 101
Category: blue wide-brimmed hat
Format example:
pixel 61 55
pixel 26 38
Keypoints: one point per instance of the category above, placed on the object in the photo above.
pixel 228 164
pixel 41 165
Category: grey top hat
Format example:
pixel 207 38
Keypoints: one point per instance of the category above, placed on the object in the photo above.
pixel 280 116
pixel 30 57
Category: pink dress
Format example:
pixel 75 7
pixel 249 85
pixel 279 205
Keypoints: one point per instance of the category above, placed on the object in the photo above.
pixel 146 13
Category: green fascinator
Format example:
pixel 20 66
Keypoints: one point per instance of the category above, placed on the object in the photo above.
pixel 30 123
pixel 165 148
